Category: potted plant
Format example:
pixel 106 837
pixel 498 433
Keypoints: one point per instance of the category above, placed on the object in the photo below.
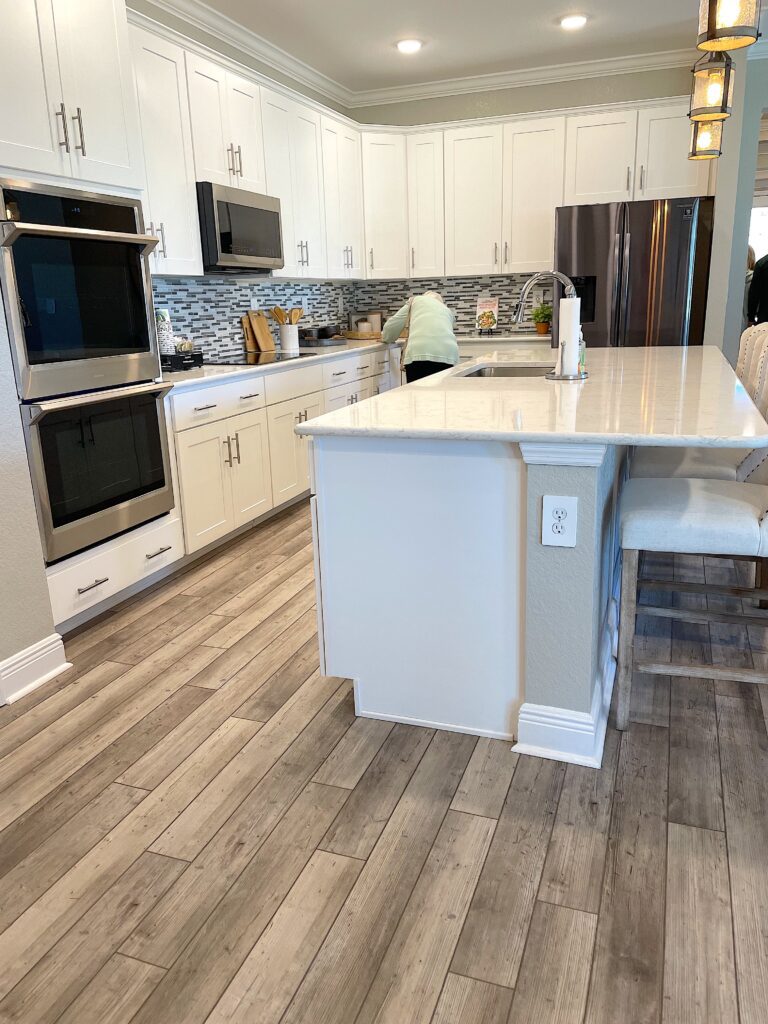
pixel 542 317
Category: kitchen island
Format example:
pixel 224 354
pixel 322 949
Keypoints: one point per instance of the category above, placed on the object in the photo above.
pixel 439 591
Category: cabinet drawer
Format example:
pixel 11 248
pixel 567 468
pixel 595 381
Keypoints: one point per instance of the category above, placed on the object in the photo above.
pixel 365 364
pixel 340 371
pixel 208 404
pixel 76 588
pixel 160 546
pixel 288 384
pixel 381 363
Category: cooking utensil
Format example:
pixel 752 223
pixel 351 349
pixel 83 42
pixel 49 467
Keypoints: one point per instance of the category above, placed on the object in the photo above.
pixel 279 314
pixel 264 339
pixel 295 315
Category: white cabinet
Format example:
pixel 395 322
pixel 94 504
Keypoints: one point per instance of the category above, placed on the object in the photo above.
pixel 533 169
pixel 663 169
pixel 226 126
pixel 170 206
pixel 68 67
pixel 426 207
pixel 473 193
pixel 292 153
pixel 600 157
pixel 224 476
pixel 385 201
pixel 287 450
pixel 343 187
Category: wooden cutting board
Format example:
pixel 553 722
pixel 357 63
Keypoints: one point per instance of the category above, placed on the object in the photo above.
pixel 260 326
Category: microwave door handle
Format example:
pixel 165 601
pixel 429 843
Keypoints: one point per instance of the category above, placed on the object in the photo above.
pixel 12 230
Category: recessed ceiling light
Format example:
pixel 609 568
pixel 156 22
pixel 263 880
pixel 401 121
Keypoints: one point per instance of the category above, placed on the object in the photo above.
pixel 409 45
pixel 573 21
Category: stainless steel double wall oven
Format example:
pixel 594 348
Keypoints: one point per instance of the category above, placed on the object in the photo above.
pixel 77 297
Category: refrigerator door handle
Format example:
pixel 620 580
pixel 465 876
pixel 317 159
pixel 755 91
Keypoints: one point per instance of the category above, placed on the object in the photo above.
pixel 615 307
pixel 624 297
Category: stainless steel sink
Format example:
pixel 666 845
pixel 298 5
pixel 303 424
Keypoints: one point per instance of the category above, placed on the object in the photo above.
pixel 500 370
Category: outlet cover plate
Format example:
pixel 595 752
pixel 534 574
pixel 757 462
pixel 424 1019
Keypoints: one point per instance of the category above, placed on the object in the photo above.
pixel 559 520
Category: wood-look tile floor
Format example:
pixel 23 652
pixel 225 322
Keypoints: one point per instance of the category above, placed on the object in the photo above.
pixel 195 828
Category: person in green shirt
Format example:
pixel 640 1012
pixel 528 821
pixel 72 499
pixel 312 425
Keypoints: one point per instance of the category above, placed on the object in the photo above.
pixel 431 345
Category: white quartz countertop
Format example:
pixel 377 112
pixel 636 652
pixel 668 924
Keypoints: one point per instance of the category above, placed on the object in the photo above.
pixel 210 373
pixel 641 396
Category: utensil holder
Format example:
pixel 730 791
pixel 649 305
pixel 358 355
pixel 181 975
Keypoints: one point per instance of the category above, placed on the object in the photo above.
pixel 289 337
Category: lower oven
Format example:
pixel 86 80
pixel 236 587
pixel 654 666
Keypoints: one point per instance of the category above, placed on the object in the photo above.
pixel 100 464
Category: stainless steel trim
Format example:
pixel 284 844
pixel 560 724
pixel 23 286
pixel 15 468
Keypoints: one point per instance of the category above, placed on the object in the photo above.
pixel 62 113
pixel 78 119
pixel 160 551
pixel 253 394
pixel 202 408
pixel 13 230
pixel 228 442
pixel 231 162
pixel 162 239
pixel 237 446
pixel 35 411
pixel 92 586
pixel 239 154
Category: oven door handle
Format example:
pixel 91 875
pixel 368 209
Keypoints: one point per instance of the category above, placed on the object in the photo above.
pixel 12 230
pixel 35 411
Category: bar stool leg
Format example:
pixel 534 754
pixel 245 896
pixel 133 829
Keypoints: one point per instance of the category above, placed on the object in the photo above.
pixel 627 613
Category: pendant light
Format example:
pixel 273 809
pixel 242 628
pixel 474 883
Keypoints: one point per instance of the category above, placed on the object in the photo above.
pixel 706 140
pixel 712 93
pixel 728 24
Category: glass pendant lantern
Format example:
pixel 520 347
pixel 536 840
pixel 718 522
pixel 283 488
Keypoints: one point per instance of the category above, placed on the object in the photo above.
pixel 712 94
pixel 728 24
pixel 706 140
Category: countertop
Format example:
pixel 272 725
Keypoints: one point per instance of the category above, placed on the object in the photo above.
pixel 640 396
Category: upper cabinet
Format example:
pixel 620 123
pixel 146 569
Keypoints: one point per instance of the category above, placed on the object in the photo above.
pixel 170 202
pixel 70 65
pixel 473 200
pixel 385 200
pixel 663 168
pixel 292 151
pixel 533 170
pixel 426 215
pixel 600 157
pixel 226 126
pixel 343 183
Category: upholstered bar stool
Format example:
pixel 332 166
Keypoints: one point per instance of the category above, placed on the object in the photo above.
pixel 692 517
pixel 715 463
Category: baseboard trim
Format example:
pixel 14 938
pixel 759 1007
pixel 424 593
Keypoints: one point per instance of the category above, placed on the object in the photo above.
pixel 444 726
pixel 24 672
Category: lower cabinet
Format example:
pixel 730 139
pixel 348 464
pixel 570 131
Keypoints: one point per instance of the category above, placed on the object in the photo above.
pixel 224 476
pixel 348 394
pixel 288 453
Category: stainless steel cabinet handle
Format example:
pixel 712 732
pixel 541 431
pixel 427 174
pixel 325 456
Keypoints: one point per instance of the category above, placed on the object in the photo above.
pixel 62 113
pixel 642 177
pixel 339 373
pixel 301 254
pixel 239 152
pixel 231 158
pixel 78 119
pixel 202 408
pixel 253 394
pixel 413 258
pixel 237 446
pixel 160 551
pixel 495 253
pixel 92 586
pixel 376 390
pixel 351 257
pixel 629 178
pixel 162 239
pixel 228 442
pixel 306 253
pixel 371 254
pixel 506 253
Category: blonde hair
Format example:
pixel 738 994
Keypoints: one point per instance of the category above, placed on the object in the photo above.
pixel 751 259
pixel 434 295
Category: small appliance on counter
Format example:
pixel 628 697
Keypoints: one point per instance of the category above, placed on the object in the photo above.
pixel 317 337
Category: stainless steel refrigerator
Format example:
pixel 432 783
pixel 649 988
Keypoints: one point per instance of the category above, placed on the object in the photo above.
pixel 641 269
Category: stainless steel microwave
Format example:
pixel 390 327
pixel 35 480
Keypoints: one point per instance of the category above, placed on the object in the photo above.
pixel 239 230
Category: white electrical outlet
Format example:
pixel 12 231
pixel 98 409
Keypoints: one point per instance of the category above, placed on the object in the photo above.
pixel 558 520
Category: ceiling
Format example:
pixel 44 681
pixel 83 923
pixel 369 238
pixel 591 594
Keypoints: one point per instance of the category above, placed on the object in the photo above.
pixel 351 42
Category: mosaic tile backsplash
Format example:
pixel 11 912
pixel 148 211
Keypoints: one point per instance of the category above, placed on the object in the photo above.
pixel 208 309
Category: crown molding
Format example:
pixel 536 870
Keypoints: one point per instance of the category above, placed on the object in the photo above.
pixel 219 26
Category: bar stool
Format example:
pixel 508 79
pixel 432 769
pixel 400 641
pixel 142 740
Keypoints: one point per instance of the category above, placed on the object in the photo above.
pixel 692 517
pixel 715 463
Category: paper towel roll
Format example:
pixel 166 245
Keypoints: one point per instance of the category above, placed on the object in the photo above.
pixel 570 325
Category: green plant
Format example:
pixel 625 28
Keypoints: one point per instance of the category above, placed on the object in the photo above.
pixel 542 314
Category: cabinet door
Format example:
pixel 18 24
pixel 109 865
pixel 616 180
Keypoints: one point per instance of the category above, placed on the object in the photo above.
pixel 97 80
pixel 343 189
pixel 171 203
pixel 306 161
pixel 286 451
pixel 32 128
pixel 352 200
pixel 426 207
pixel 251 481
pixel 534 164
pixel 245 133
pixel 339 398
pixel 385 200
pixel 312 407
pixel 277 120
pixel 205 484
pixel 473 200
pixel 663 168
pixel 600 157
pixel 207 85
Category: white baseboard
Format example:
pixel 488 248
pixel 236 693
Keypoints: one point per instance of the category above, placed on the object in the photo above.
pixel 426 724
pixel 30 668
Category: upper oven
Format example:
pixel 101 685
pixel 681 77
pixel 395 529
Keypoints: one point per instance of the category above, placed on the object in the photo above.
pixel 77 290
pixel 239 230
